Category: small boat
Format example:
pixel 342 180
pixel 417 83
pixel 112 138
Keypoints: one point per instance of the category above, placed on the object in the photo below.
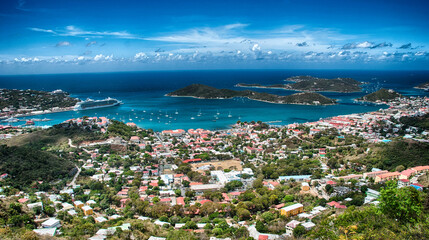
pixel 29 122
pixel 192 118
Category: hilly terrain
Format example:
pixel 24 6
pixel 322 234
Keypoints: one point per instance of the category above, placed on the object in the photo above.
pixel 207 92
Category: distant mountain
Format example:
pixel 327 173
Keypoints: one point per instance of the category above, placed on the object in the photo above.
pixel 381 95
pixel 313 84
pixel 207 92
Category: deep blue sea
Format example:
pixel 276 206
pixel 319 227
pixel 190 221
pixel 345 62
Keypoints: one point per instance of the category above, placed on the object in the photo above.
pixel 145 103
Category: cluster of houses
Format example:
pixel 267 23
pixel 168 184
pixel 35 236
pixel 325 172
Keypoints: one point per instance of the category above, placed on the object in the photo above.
pixel 367 125
pixel 170 143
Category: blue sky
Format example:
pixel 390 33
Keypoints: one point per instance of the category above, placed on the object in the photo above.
pixel 97 36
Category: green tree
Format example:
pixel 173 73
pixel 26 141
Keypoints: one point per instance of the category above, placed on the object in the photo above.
pixel 404 204
pixel 261 227
pixel 299 231
pixel 243 214
pixel 268 216
pixel 190 225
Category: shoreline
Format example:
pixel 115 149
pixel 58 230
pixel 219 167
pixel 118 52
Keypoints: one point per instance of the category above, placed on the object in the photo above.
pixel 305 104
pixel 292 89
pixel 36 114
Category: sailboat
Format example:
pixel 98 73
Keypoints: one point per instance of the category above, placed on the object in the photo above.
pixel 176 112
pixel 199 113
pixel 229 115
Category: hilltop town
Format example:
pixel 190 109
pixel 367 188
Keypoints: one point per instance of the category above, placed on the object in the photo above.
pixel 253 181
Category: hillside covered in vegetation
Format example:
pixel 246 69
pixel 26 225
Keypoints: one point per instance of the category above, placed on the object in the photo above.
pixel 25 165
pixel 37 156
pixel 313 84
pixel 207 92
pixel 380 95
pixel 33 99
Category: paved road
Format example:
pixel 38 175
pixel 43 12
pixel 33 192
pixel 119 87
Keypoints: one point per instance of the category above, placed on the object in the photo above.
pixel 162 162
pixel 73 182
pixel 71 144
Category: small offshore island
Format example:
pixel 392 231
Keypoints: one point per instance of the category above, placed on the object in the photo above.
pixel 207 92
pixel 313 84
pixel 424 86
pixel 382 95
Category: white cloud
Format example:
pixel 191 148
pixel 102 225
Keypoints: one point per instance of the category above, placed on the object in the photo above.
pixel 73 31
pixel 91 43
pixel 63 44
pixel 365 44
pixel 42 30
pixel 256 47
pixel 101 57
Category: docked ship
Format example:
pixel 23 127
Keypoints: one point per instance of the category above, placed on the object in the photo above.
pixel 93 104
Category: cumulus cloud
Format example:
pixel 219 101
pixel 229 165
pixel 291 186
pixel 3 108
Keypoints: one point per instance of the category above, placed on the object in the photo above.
pixel 87 53
pixel 101 57
pixel 366 44
pixel 256 47
pixel 91 43
pixel 381 45
pixel 140 56
pixel 405 46
pixel 63 44
pixel 233 57
pixel 303 44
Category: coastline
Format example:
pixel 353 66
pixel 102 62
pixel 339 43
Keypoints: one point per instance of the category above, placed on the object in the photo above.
pixel 292 89
pixel 20 115
pixel 307 104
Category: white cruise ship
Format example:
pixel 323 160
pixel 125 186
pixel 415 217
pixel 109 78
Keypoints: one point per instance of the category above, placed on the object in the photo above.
pixel 92 104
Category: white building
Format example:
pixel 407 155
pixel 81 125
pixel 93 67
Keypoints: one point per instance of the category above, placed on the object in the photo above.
pixel 51 223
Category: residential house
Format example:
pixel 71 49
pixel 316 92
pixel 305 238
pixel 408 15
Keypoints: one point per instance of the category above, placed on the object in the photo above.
pixel 292 210
pixel 386 177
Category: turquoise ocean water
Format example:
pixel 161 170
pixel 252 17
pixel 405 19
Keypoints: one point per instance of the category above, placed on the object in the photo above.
pixel 145 103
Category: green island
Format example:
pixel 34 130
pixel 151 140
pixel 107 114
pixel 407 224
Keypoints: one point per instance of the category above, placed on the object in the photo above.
pixel 422 86
pixel 207 92
pixel 313 84
pixel 381 95
pixel 15 99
